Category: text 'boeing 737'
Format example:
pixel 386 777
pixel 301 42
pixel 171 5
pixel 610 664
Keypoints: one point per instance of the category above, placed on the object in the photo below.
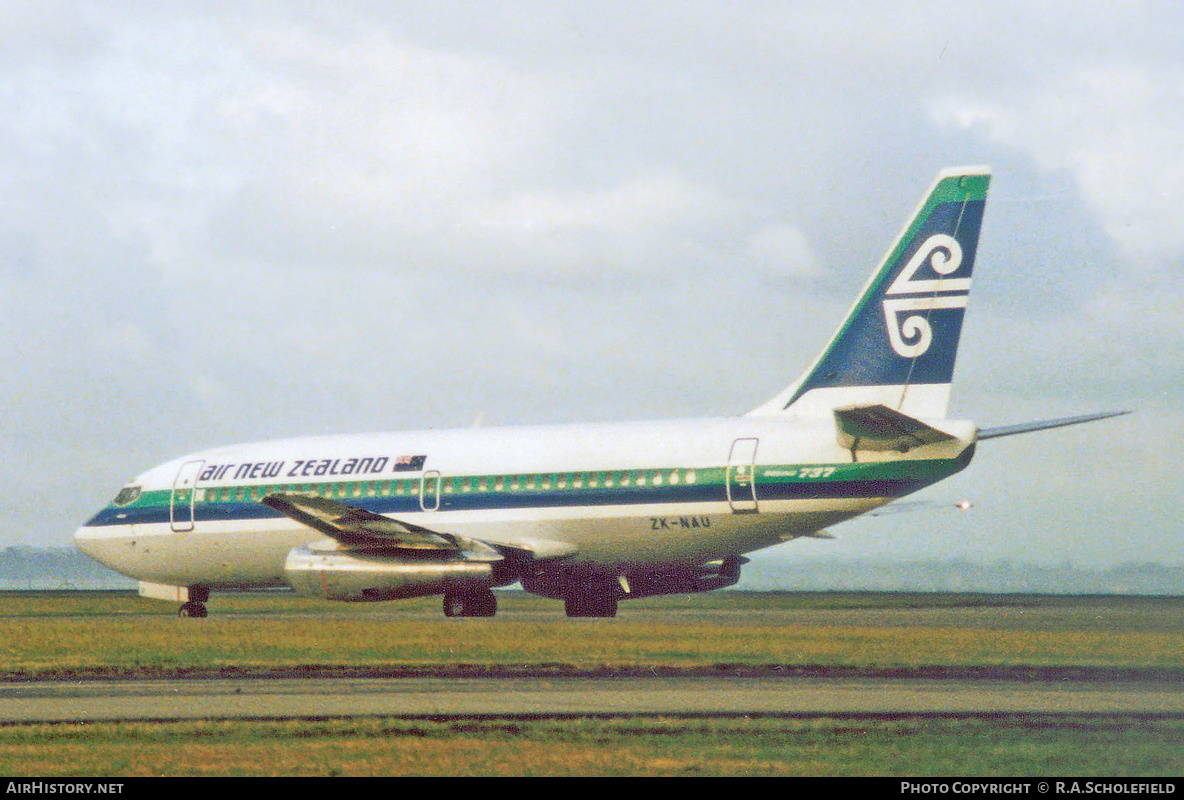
pixel 590 514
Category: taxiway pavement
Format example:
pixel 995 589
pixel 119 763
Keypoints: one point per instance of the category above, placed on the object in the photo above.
pixel 282 698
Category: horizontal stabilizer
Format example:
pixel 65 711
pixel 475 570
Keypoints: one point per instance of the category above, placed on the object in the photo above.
pixel 1028 427
pixel 355 526
pixel 878 427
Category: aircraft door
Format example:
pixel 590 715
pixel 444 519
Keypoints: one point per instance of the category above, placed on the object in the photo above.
pixel 429 490
pixel 184 494
pixel 741 478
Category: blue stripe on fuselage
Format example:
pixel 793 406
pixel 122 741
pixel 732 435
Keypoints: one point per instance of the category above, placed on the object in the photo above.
pixel 477 501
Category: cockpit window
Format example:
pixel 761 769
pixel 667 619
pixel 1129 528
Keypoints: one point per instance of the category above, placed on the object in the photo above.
pixel 127 495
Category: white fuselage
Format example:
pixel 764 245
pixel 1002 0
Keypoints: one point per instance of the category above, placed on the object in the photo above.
pixel 627 495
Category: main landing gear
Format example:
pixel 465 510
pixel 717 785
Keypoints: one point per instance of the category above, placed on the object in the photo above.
pixel 478 603
pixel 196 606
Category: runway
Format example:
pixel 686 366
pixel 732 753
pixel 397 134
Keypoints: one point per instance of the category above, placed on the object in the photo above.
pixel 285 698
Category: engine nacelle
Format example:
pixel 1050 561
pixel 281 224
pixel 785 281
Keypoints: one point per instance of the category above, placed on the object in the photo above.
pixel 360 577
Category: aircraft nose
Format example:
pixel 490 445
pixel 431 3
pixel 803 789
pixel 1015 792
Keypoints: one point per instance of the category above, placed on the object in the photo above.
pixel 91 540
pixel 84 542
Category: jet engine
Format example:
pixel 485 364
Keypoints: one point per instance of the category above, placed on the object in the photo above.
pixel 361 577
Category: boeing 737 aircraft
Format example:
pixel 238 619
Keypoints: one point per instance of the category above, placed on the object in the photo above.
pixel 590 514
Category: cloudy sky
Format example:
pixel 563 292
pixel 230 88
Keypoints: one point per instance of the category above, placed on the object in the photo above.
pixel 240 221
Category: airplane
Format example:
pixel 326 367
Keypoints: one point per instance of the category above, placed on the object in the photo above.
pixel 591 514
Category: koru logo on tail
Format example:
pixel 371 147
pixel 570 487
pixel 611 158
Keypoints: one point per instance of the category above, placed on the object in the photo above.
pixel 911 335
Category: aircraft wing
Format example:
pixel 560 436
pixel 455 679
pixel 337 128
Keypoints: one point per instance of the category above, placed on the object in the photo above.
pixel 878 427
pixel 358 527
pixel 351 525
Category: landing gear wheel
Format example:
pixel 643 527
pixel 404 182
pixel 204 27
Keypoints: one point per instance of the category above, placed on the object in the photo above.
pixel 454 605
pixel 480 603
pixel 193 609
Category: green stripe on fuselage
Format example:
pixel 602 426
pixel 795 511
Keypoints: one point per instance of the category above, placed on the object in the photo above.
pixel 552 489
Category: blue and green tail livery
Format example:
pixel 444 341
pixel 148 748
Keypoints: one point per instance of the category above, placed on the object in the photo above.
pixel 897 346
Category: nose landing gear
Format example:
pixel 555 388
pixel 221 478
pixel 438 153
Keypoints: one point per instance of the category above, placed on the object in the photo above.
pixel 196 605
pixel 192 609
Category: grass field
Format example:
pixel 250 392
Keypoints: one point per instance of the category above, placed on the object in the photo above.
pixel 68 635
pixel 828 746
pixel 63 634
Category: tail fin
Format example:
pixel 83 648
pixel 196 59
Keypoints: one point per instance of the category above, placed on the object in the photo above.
pixel 897 346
